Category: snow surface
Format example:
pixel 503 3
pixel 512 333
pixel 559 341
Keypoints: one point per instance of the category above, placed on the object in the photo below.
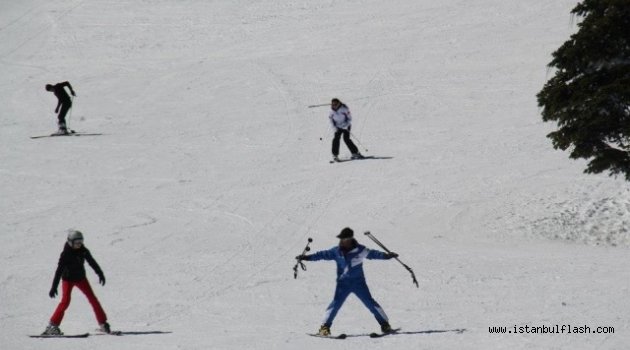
pixel 211 175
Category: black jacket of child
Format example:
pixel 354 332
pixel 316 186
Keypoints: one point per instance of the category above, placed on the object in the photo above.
pixel 71 265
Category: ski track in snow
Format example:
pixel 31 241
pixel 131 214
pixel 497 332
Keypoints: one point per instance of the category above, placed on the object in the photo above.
pixel 212 173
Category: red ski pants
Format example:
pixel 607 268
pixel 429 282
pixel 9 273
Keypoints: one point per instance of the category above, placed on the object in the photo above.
pixel 66 291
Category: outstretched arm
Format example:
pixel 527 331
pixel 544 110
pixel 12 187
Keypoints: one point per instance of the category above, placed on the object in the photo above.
pixel 379 255
pixel 321 255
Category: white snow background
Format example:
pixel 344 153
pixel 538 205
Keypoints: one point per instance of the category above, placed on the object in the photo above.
pixel 211 174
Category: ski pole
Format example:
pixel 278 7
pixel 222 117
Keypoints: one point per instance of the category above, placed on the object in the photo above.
pixel 300 263
pixel 413 276
pixel 321 105
pixel 70 114
pixel 358 141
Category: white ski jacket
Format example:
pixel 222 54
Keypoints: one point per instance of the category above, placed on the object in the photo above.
pixel 341 118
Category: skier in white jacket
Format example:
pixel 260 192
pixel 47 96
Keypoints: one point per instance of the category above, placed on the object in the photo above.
pixel 341 121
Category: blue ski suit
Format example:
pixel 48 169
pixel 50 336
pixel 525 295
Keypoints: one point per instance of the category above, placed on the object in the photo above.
pixel 350 279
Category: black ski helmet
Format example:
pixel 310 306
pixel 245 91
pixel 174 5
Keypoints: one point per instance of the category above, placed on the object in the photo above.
pixel 74 235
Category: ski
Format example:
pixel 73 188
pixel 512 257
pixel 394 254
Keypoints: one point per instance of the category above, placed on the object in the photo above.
pixel 99 332
pixel 70 134
pixel 379 335
pixel 84 335
pixel 339 336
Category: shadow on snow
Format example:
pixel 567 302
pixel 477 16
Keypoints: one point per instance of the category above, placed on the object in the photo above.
pixel 430 331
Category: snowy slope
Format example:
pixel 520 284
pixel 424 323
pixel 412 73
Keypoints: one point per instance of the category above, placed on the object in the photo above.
pixel 211 175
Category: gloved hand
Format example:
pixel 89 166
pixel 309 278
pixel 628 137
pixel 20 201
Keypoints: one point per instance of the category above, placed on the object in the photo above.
pixel 56 110
pixel 101 279
pixel 73 94
pixel 302 257
pixel 53 292
pixel 391 255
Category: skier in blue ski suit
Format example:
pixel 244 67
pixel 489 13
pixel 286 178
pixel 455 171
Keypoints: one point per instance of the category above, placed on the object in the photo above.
pixel 349 256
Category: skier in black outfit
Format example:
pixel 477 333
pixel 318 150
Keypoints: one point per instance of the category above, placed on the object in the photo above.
pixel 71 272
pixel 64 103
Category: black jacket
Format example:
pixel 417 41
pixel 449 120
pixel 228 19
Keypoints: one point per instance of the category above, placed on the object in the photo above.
pixel 70 266
pixel 62 95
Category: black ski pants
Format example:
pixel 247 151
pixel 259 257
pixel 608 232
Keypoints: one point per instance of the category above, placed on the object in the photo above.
pixel 63 110
pixel 346 138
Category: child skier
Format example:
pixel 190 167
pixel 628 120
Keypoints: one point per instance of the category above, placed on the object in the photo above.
pixel 341 121
pixel 349 257
pixel 71 271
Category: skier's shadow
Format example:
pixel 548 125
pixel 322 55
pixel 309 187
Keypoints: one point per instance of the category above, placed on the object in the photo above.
pixel 141 332
pixel 430 331
pixel 377 157
pixel 342 160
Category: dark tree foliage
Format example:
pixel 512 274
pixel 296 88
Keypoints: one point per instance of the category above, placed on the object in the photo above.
pixel 589 96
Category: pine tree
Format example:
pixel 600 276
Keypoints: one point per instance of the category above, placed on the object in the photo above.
pixel 589 96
